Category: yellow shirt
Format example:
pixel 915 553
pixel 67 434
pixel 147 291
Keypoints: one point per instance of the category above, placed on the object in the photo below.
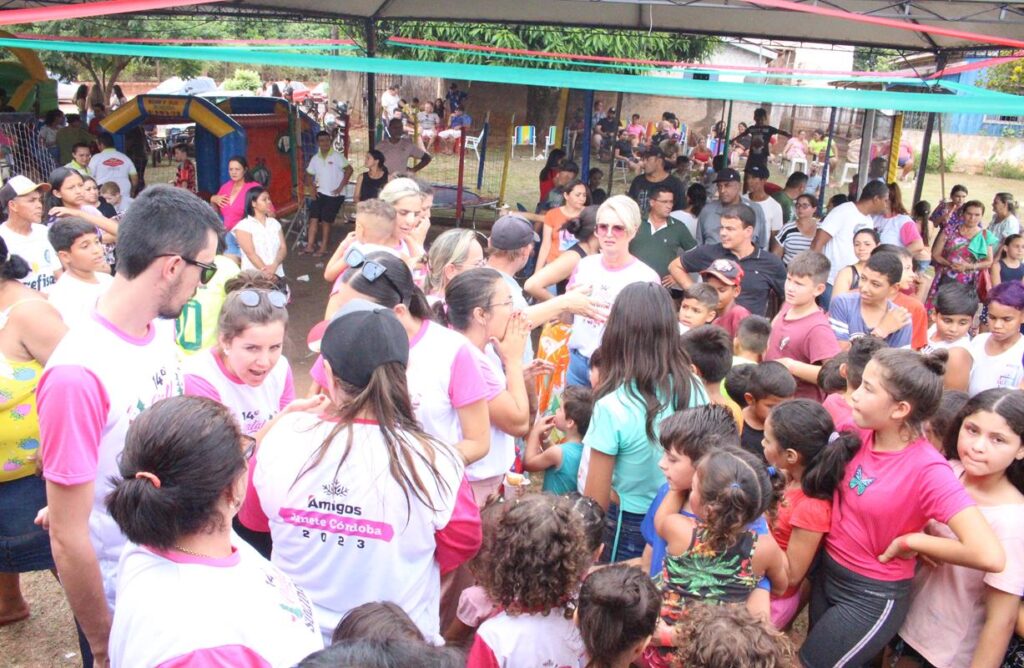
pixel 19 423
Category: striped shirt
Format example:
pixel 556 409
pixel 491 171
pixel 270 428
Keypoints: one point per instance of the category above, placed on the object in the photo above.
pixel 792 241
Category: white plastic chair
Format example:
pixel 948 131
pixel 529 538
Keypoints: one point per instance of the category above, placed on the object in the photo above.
pixel 798 161
pixel 473 144
pixel 849 169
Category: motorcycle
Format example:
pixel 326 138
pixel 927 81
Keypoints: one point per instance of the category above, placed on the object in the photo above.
pixel 336 123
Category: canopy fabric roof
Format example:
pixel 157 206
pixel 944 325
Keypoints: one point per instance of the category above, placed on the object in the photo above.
pixel 1003 18
pixel 970 100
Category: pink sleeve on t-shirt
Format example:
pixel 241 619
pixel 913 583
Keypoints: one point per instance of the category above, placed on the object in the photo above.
pixel 318 372
pixel 481 656
pixel 812 515
pixel 942 495
pixel 225 656
pixel 475 606
pixel 197 386
pixel 466 385
pixel 821 343
pixel 461 537
pixel 73 407
pixel 909 233
pixel 288 395
pixel 251 513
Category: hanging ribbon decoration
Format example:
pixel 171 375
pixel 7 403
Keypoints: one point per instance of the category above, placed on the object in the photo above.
pixel 89 9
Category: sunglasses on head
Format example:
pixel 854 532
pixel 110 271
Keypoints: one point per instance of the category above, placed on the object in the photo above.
pixel 371 270
pixel 252 298
pixel 616 230
pixel 206 270
pixel 248 447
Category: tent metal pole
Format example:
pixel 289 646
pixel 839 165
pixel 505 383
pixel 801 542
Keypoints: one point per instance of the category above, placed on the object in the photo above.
pixel 728 135
pixel 828 151
pixel 588 130
pixel 370 31
pixel 611 159
pixel 867 136
pixel 922 168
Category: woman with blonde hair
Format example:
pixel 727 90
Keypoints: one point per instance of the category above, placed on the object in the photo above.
pixel 452 253
pixel 608 272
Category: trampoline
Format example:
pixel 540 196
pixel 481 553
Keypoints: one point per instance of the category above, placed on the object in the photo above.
pixel 446 197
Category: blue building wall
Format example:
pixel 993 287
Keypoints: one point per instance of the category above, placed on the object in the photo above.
pixel 975 124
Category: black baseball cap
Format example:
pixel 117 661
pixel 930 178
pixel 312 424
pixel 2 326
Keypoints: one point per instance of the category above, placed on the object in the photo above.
pixel 758 171
pixel 728 175
pixel 358 342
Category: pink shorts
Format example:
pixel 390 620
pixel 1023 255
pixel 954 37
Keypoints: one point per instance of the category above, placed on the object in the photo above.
pixel 784 609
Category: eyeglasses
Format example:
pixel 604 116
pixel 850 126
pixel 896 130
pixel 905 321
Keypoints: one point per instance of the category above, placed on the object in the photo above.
pixel 803 205
pixel 248 447
pixel 603 229
pixel 252 298
pixel 372 270
pixel 479 263
pixel 663 201
pixel 508 303
pixel 207 271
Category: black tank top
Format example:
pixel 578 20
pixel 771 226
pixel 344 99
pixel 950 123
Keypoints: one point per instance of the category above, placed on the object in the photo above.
pixel 370 188
pixel 575 248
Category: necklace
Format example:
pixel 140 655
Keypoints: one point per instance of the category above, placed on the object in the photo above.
pixel 183 550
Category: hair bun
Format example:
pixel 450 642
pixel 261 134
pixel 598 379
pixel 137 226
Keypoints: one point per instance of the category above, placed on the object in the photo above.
pixel 935 361
pixel 12 267
pixel 250 279
pixel 626 597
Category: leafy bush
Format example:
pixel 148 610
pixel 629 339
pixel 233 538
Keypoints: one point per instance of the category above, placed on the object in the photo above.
pixel 933 160
pixel 244 80
pixel 1003 170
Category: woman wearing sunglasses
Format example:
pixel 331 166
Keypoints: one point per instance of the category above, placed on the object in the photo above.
pixel 245 371
pixel 187 594
pixel 607 273
pixel 452 253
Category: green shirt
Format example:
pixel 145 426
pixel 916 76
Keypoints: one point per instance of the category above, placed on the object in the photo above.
pixel 788 210
pixel 658 249
pixel 562 480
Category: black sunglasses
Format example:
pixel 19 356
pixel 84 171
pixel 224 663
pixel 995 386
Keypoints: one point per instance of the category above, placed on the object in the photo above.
pixel 372 270
pixel 206 272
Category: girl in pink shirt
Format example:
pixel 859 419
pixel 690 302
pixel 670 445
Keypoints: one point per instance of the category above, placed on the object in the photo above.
pixel 893 484
pixel 960 616
pixel 800 440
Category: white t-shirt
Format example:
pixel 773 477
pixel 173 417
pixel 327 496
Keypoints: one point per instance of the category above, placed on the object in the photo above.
pixel 519 303
pixel 933 345
pixel 266 241
pixel 502 455
pixel 842 223
pixel 528 640
pixel 75 299
pixel 443 376
pixel 389 102
pixel 35 249
pixel 1009 225
pixel 234 611
pixel 253 407
pixel 606 284
pixel 688 219
pixel 349 536
pixel 96 382
pixel 772 213
pixel 112 165
pixel 328 170
pixel 988 371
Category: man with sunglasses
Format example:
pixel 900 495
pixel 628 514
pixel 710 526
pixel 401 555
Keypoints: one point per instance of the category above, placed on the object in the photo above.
pixel 102 375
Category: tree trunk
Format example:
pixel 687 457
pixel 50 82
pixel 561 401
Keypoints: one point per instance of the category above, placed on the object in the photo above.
pixel 541 108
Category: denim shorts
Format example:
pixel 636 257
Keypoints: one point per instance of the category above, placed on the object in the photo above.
pixel 23 546
pixel 231 246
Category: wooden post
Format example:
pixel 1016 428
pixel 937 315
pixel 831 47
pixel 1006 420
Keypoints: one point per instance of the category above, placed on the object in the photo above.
pixel 507 160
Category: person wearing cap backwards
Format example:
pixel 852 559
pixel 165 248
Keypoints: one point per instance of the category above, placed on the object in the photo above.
pixel 709 222
pixel 661 238
pixel 511 245
pixel 655 173
pixel 25 236
pixel 102 375
pixel 757 179
pixel 763 273
pixel 363 505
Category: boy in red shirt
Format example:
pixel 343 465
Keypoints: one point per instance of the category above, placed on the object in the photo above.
pixel 906 295
pixel 724 276
pixel 801 336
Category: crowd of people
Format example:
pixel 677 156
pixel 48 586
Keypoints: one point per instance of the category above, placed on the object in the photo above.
pixel 648 431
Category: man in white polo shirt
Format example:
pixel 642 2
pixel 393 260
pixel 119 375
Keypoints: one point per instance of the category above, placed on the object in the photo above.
pixel 102 375
pixel 327 175
pixel 112 165
pixel 23 233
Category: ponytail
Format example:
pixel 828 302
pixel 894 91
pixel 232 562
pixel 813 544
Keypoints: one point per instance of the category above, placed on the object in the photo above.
pixel 805 427
pixel 465 293
pixel 181 456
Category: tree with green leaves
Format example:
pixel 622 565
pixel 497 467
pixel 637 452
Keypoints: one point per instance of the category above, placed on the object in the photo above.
pixel 1005 77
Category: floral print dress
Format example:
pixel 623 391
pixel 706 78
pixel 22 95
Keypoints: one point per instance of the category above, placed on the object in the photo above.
pixel 956 249
pixel 703 575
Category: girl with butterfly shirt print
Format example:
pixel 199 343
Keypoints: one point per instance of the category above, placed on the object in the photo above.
pixel 891 483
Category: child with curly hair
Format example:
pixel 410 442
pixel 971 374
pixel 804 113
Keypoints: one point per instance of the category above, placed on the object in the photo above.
pixel 715 557
pixel 536 560
pixel 728 636
pixel 618 610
